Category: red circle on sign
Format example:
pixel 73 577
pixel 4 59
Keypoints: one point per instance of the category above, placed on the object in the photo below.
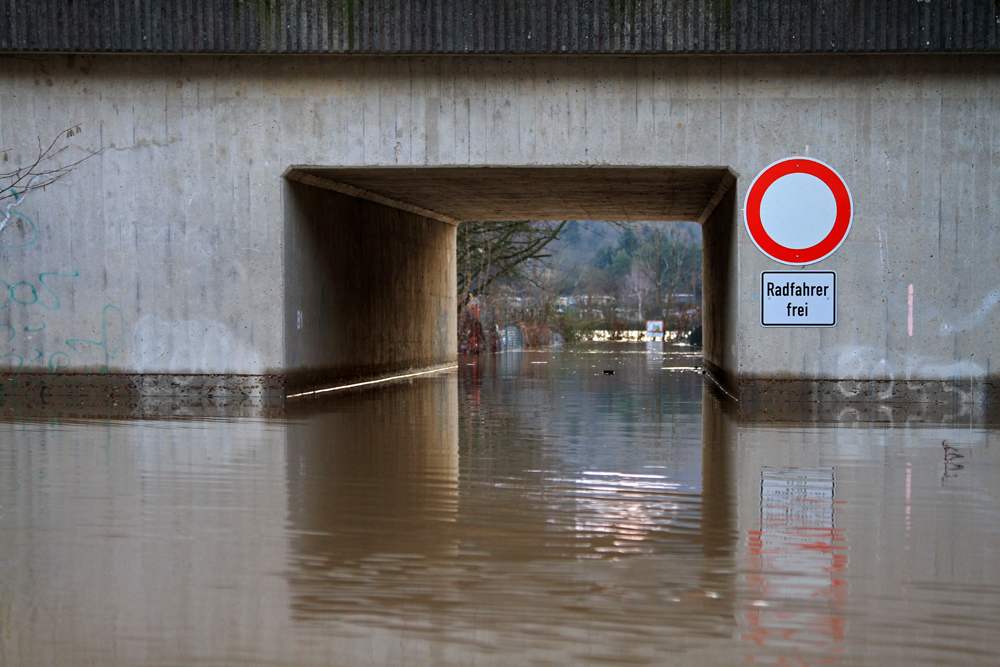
pixel 813 253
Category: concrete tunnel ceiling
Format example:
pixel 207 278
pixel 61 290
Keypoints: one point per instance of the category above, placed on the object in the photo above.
pixel 454 194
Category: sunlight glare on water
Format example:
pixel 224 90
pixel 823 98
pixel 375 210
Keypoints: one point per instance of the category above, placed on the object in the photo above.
pixel 529 509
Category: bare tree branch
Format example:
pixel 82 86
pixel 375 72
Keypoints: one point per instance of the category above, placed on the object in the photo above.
pixel 42 172
pixel 666 261
pixel 494 251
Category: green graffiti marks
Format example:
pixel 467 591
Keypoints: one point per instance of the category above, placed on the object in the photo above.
pixel 16 357
pixel 26 294
pixel 19 231
pixel 112 333
pixel 29 231
pixel 41 281
pixel 41 293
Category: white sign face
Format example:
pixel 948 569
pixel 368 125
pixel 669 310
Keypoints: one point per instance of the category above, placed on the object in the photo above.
pixel 798 298
pixel 798 211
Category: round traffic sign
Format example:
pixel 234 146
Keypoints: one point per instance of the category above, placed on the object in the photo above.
pixel 798 211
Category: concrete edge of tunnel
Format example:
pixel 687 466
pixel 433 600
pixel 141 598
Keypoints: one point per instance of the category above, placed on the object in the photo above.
pixel 725 184
pixel 299 174
pixel 307 385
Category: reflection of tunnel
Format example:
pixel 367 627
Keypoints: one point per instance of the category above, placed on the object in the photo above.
pixel 398 504
pixel 369 474
pixel 370 252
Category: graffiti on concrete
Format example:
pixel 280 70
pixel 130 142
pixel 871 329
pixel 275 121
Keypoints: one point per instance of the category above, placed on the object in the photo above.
pixel 27 304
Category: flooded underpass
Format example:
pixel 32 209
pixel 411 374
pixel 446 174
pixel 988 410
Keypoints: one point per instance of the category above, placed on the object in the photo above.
pixel 599 504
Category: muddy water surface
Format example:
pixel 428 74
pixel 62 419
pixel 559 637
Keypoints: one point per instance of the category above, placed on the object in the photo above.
pixel 528 509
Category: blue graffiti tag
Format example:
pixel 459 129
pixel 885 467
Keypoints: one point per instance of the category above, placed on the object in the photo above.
pixel 12 355
pixel 31 226
pixel 23 302
pixel 42 294
pixel 41 279
pixel 30 297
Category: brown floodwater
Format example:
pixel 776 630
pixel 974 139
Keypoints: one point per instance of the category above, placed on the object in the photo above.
pixel 528 509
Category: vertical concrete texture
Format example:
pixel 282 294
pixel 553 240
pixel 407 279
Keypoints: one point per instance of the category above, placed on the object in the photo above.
pixel 369 289
pixel 164 254
pixel 720 312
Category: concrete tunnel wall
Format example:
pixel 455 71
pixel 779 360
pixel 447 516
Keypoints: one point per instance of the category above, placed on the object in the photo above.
pixel 719 283
pixel 369 289
pixel 164 254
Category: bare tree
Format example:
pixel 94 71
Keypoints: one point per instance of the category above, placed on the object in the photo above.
pixel 637 286
pixel 491 251
pixel 666 261
pixel 652 264
pixel 46 168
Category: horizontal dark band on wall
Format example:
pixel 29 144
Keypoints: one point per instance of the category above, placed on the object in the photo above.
pixel 139 395
pixel 500 26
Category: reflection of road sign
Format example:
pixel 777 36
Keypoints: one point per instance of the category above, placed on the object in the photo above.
pixel 798 211
pixel 798 298
pixel 797 559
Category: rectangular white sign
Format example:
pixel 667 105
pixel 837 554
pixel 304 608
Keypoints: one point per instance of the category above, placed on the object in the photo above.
pixel 798 298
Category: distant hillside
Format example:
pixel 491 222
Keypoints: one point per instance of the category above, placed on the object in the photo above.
pixel 582 244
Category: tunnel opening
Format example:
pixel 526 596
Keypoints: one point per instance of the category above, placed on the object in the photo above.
pixel 529 284
pixel 369 254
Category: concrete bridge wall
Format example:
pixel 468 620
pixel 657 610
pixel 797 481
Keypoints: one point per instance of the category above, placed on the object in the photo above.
pixel 168 254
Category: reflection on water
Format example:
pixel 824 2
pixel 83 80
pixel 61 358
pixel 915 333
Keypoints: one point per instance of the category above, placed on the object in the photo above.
pixel 530 509
pixel 858 546
pixel 796 553
pixel 372 485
